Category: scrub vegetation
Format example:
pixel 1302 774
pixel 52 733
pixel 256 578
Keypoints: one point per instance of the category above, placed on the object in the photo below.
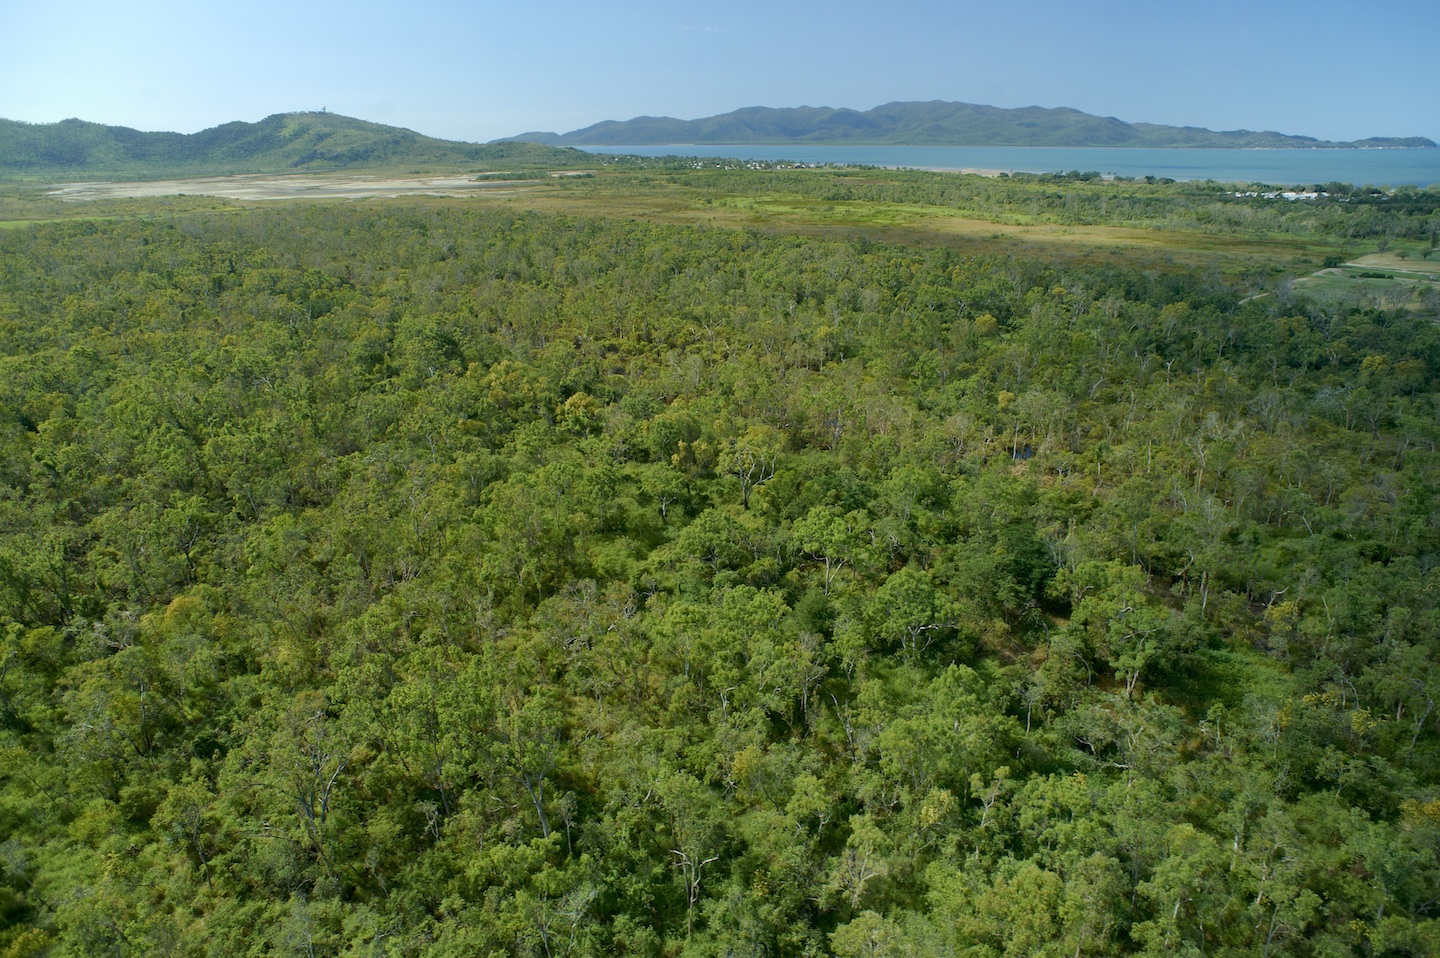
pixel 899 564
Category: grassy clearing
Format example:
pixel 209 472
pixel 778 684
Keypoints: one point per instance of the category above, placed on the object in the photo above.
pixel 915 224
pixel 1386 280
pixel 1259 257
pixel 1341 290
pixel 1396 264
pixel 24 207
pixel 1226 676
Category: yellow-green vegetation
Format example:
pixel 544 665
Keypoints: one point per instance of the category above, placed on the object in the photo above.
pixel 1161 222
pixel 285 142
pixel 26 206
pixel 864 573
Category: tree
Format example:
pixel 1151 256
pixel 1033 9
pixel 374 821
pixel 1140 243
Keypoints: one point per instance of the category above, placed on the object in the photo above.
pixel 826 538
pixel 309 757
pixel 696 834
pixel 908 609
pixel 1129 629
pixel 862 861
pixel 869 935
pixel 713 538
pixel 751 459
pixel 528 731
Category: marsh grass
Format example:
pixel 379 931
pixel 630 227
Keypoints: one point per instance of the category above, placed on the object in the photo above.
pixel 965 213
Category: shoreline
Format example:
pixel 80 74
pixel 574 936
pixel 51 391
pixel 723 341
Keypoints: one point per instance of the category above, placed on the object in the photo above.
pixel 615 149
pixel 1397 167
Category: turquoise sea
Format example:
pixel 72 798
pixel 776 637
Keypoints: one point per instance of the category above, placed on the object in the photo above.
pixel 1273 167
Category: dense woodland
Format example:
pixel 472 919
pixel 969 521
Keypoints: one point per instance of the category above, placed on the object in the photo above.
pixel 406 580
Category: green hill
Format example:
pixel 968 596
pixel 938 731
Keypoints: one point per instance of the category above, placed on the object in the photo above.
pixel 285 141
pixel 933 123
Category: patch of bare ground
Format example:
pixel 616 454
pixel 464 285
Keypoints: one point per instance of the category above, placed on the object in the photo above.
pixel 252 187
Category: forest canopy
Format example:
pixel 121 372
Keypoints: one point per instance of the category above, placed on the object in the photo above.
pixel 426 579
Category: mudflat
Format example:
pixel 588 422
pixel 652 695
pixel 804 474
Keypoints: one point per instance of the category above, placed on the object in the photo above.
pixel 293 186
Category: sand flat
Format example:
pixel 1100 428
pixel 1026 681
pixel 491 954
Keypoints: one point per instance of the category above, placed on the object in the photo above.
pixel 292 186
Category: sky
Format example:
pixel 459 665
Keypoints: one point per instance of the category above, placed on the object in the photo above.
pixel 481 70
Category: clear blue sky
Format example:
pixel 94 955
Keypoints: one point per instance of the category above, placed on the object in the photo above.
pixel 481 70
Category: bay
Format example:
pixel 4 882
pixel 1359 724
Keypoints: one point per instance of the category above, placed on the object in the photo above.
pixel 1379 167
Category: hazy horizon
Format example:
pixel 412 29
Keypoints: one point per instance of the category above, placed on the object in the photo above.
pixel 402 125
pixel 470 74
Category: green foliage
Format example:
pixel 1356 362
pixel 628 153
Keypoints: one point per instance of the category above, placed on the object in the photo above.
pixel 933 122
pixel 433 580
pixel 285 141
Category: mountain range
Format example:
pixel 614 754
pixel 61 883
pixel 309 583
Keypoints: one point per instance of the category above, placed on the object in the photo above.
pixel 329 141
pixel 932 123
pixel 283 142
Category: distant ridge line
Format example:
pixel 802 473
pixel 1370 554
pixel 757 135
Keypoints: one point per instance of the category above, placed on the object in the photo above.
pixel 934 123
pixel 301 141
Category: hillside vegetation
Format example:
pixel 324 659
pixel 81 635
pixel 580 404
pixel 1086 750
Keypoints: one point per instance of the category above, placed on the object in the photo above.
pixel 445 579
pixel 285 141
pixel 931 123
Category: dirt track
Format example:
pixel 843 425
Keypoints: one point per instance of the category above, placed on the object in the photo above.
pixel 299 186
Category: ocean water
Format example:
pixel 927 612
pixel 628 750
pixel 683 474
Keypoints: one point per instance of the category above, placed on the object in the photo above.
pixel 1274 167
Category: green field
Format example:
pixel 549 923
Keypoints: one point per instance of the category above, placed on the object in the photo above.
pixel 1195 224
pixel 1380 280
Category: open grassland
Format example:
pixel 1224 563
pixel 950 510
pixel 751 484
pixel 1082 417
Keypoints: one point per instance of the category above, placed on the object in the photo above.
pixel 925 224
pixel 21 206
pixel 1413 263
pixel 1085 222
pixel 1387 280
